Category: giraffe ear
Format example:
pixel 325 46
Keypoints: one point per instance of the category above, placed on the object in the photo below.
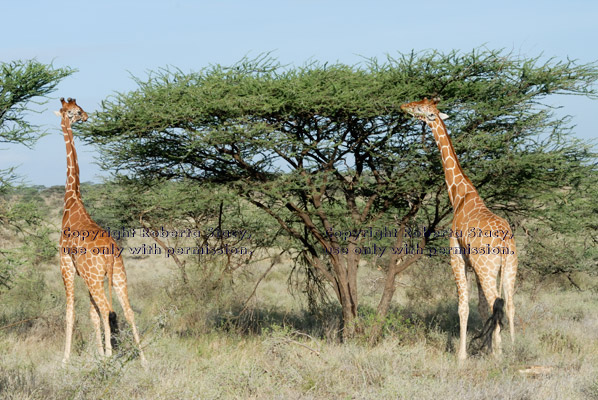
pixel 58 114
pixel 443 116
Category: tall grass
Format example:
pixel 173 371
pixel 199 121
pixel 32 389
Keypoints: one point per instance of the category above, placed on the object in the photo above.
pixel 206 340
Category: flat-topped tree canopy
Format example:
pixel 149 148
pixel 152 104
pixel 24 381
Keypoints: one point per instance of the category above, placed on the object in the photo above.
pixel 325 147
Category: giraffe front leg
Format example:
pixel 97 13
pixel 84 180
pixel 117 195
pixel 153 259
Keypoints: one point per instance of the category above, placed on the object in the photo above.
pixel 510 308
pixel 458 266
pixel 509 289
pixel 67 270
pixel 483 307
pixel 496 339
pixel 94 313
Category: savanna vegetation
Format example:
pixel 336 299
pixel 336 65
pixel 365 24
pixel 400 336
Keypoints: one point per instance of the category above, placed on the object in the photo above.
pixel 305 168
pixel 24 85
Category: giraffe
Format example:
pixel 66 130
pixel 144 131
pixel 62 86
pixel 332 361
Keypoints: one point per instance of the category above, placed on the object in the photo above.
pixel 89 251
pixel 481 240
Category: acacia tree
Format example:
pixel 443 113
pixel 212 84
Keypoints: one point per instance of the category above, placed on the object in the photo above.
pixel 325 151
pixel 22 84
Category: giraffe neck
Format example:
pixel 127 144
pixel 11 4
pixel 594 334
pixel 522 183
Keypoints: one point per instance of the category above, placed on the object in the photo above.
pixel 460 188
pixel 72 193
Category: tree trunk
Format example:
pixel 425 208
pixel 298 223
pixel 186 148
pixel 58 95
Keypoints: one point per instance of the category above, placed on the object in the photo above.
pixel 346 280
pixel 394 269
pixel 349 314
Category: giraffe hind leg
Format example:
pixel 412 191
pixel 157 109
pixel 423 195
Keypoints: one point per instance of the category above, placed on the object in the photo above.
pixel 483 307
pixel 491 331
pixel 459 272
pixel 120 287
pixel 97 293
pixel 94 313
pixel 509 289
pixel 497 316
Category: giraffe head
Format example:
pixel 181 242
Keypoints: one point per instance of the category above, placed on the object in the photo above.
pixel 71 111
pixel 424 110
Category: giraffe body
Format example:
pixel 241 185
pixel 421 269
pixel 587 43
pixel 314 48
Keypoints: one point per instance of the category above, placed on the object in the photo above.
pixel 89 251
pixel 483 241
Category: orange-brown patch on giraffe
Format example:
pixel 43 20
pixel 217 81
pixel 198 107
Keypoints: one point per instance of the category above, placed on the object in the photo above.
pixel 450 164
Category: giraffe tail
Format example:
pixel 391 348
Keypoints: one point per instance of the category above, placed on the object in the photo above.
pixel 498 312
pixel 114 330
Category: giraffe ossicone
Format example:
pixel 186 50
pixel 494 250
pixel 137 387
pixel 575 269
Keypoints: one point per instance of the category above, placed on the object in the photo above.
pixel 91 257
pixel 471 214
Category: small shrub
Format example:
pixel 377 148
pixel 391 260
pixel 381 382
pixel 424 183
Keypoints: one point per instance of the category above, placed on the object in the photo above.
pixel 558 342
pixel 395 324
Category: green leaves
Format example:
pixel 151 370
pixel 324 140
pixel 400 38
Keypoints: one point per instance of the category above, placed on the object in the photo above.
pixel 257 119
pixel 20 83
pixel 22 212
pixel 326 145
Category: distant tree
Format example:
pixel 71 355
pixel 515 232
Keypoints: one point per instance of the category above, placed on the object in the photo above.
pixel 324 149
pixel 563 239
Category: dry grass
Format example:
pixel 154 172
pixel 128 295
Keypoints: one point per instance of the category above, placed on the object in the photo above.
pixel 278 351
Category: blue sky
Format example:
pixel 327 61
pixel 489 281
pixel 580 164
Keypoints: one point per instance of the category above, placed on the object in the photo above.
pixel 108 41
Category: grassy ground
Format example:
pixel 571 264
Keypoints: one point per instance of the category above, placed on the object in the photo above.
pixel 197 349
